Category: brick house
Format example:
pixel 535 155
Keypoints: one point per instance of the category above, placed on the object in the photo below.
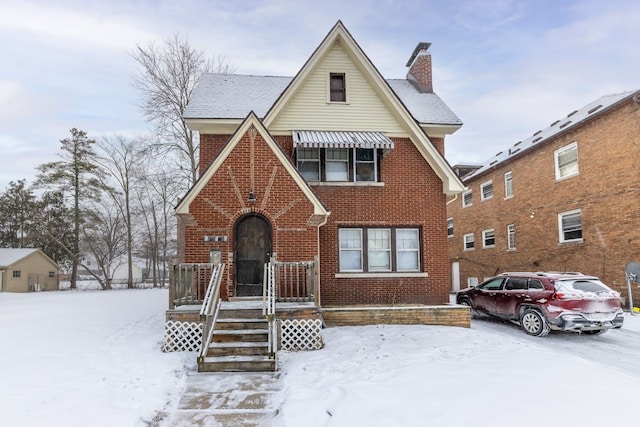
pixel 564 199
pixel 336 165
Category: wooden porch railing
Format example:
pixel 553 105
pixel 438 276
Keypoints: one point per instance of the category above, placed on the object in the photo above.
pixel 188 283
pixel 296 281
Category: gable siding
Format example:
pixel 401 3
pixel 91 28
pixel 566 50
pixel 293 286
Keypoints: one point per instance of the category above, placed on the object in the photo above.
pixel 309 110
pixel 606 192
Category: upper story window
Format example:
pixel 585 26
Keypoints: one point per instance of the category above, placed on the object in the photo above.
pixel 337 87
pixel 566 161
pixel 467 198
pixel 570 226
pixel 449 227
pixel 469 241
pixel 338 164
pixel 488 238
pixel 511 237
pixel 486 190
pixel 508 185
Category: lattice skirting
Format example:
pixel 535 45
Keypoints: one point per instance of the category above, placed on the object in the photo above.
pixel 182 336
pixel 300 334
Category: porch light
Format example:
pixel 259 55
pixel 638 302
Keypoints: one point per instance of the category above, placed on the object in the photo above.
pixel 252 197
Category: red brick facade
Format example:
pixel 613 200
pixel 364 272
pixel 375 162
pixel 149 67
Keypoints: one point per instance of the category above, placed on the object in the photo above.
pixel 606 191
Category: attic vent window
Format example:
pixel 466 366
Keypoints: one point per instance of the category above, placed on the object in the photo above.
pixel 564 125
pixel 337 87
pixel 536 140
pixel 594 109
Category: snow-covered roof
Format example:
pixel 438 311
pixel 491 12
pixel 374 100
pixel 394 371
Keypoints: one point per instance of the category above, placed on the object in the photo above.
pixel 9 256
pixel 233 96
pixel 572 120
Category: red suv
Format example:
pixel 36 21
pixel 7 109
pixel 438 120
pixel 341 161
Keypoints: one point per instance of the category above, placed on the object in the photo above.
pixel 543 301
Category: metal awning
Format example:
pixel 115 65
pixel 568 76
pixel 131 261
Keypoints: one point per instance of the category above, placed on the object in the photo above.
pixel 337 139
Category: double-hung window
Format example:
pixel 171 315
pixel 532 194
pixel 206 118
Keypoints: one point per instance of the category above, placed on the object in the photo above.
pixel 337 87
pixel 469 242
pixel 337 164
pixel 450 227
pixel 511 237
pixel 308 160
pixel 570 226
pixel 467 198
pixel 379 250
pixel 508 185
pixel 566 161
pixel 486 190
pixel 488 238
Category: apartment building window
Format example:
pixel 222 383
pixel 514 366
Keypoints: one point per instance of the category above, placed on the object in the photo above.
pixel 488 238
pixel 508 185
pixel 337 87
pixel 511 237
pixel 566 161
pixel 467 198
pixel 468 242
pixel 570 226
pixel 338 164
pixel 379 249
pixel 450 227
pixel 486 190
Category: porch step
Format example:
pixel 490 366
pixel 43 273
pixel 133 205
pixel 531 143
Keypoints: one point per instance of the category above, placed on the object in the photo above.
pixel 241 323
pixel 240 335
pixel 255 348
pixel 227 312
pixel 237 363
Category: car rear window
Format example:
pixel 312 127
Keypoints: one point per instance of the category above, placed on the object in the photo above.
pixel 584 285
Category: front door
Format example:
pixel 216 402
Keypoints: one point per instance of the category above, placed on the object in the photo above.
pixel 252 249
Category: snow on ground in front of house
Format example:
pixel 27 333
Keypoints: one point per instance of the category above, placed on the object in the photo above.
pixel 86 358
pixel 79 358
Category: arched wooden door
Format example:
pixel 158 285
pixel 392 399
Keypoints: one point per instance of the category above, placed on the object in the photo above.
pixel 252 250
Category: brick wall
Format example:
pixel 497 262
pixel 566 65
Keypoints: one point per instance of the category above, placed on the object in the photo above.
pixel 606 190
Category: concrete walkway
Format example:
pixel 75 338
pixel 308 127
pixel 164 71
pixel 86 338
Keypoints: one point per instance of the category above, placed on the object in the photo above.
pixel 228 399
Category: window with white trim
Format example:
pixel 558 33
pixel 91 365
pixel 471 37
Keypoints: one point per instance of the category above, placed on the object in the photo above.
pixel 566 161
pixel 338 164
pixel 570 226
pixel 508 185
pixel 488 238
pixel 511 237
pixel 337 87
pixel 449 227
pixel 467 198
pixel 486 190
pixel 379 250
pixel 469 242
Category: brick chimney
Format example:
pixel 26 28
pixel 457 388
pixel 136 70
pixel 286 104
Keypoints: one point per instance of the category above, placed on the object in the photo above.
pixel 420 68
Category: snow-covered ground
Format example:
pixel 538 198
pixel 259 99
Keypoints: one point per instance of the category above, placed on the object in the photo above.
pixel 79 358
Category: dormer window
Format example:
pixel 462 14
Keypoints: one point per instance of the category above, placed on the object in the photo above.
pixel 337 87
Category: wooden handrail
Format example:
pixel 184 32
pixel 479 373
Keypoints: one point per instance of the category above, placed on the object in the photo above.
pixel 210 309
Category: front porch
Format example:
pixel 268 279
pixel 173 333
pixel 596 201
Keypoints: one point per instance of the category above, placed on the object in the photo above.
pixel 245 333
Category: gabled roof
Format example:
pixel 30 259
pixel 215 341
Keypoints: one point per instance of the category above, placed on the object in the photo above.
pixel 9 256
pixel 252 120
pixel 573 119
pixel 233 96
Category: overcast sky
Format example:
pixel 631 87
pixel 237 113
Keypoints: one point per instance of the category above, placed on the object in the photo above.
pixel 507 68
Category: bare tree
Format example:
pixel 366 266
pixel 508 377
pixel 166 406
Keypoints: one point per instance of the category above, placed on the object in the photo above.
pixel 169 74
pixel 121 159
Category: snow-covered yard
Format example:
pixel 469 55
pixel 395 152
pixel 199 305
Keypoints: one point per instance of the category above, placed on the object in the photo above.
pixel 78 358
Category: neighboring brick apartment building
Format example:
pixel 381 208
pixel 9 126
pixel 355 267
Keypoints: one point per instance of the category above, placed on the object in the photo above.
pixel 565 199
pixel 335 164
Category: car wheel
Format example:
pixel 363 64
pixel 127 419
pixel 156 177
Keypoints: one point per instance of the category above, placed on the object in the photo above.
pixel 596 332
pixel 534 323
pixel 468 304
